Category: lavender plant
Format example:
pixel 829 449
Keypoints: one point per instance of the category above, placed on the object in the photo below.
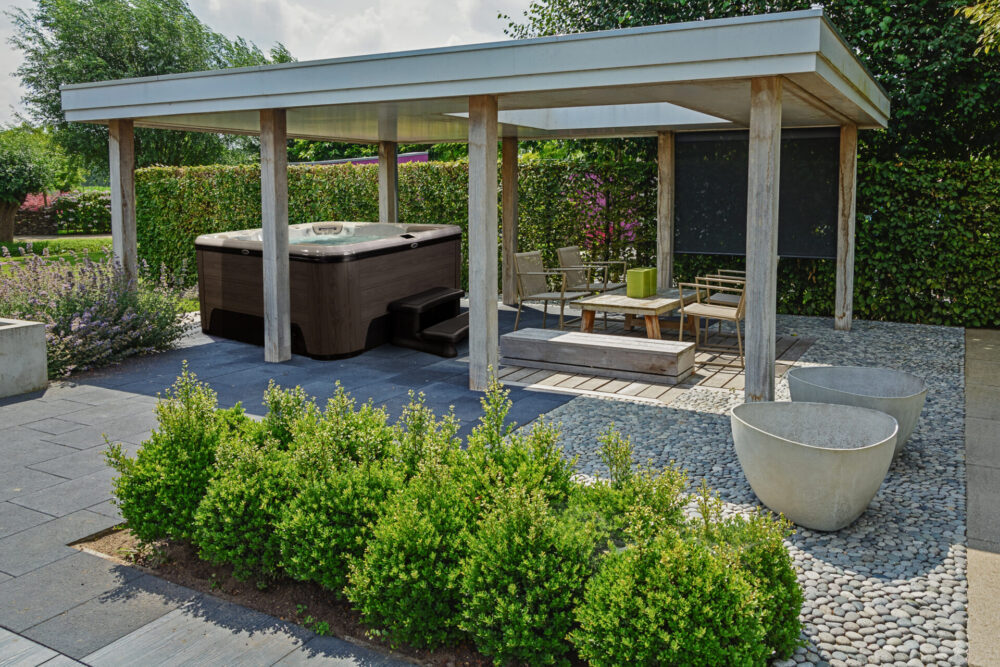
pixel 94 314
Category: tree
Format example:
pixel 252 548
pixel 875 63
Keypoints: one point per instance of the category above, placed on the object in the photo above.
pixel 24 168
pixel 986 15
pixel 944 99
pixel 78 41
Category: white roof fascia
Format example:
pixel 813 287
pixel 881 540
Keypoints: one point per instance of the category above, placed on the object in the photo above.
pixel 744 47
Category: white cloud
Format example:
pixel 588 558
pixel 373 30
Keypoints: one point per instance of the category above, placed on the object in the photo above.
pixel 313 29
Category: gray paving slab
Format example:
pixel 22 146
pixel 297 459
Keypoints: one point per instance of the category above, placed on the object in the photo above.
pixel 982 402
pixel 23 447
pixel 982 442
pixel 14 518
pixel 80 463
pixel 108 509
pixel 50 590
pixel 46 543
pixel 17 651
pixel 20 480
pixel 983 373
pixel 983 517
pixel 333 652
pixel 88 394
pixel 61 661
pixel 114 415
pixel 54 425
pixel 110 616
pixel 982 344
pixel 71 495
pixel 26 411
pixel 207 631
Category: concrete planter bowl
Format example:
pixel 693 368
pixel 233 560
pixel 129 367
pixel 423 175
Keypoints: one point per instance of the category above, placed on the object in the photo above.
pixel 818 464
pixel 894 392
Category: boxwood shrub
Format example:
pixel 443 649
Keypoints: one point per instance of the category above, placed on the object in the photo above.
pixel 495 543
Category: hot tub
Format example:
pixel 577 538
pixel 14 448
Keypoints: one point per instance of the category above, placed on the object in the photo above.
pixel 342 275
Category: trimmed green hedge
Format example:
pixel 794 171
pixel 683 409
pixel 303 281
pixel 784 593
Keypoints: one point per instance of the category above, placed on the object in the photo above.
pixel 927 231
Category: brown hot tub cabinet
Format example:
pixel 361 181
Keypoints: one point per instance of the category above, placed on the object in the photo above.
pixel 342 277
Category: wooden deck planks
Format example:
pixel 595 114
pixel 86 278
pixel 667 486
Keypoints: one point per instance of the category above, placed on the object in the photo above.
pixel 789 348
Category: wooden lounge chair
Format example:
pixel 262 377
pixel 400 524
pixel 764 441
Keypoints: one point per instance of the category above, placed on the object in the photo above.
pixel 703 308
pixel 579 273
pixel 533 285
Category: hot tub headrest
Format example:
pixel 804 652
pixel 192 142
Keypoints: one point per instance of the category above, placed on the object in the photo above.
pixel 327 227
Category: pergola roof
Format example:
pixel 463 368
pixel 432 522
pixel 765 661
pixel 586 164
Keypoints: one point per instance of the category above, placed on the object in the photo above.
pixel 632 82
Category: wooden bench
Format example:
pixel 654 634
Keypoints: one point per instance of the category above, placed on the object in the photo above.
pixel 430 321
pixel 627 358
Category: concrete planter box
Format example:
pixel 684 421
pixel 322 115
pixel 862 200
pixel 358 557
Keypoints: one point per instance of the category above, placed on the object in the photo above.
pixel 893 392
pixel 816 463
pixel 22 357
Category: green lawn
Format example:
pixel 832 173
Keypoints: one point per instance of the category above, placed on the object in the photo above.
pixel 91 247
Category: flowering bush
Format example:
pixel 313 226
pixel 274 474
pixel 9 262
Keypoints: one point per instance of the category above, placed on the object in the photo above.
pixel 93 313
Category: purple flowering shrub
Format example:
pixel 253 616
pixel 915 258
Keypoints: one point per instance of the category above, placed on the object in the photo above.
pixel 93 313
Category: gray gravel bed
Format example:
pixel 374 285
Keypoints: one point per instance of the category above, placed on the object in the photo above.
pixel 889 589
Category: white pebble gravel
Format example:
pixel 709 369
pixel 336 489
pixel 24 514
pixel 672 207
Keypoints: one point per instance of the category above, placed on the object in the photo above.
pixel 890 589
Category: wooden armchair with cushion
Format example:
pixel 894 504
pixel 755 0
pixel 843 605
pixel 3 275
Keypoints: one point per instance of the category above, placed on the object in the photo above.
pixel 533 285
pixel 702 307
pixel 580 274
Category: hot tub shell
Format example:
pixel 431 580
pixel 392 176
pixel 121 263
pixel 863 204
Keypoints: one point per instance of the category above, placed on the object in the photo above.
pixel 338 293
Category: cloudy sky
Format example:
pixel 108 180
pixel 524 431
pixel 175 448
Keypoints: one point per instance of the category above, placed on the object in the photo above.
pixel 319 28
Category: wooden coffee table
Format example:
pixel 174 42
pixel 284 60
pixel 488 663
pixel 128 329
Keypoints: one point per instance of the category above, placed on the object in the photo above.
pixel 649 308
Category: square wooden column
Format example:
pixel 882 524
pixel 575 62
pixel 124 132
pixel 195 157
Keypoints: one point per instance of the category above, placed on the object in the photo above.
pixel 845 227
pixel 274 233
pixel 762 236
pixel 509 198
pixel 483 342
pixel 388 182
pixel 121 147
pixel 665 210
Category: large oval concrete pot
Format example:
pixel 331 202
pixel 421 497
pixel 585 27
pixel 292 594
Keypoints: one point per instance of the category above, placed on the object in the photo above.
pixel 897 393
pixel 816 463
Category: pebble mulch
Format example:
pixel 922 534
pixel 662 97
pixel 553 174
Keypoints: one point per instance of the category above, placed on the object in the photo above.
pixel 888 590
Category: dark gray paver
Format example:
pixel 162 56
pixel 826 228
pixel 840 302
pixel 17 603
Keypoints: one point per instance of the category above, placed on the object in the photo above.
pixel 70 496
pixel 981 402
pixel 53 425
pixel 118 416
pixel 110 616
pixel 983 520
pixel 26 411
pixel 982 372
pixel 16 650
pixel 208 631
pixel 23 447
pixel 982 441
pixel 48 591
pixel 20 480
pixel 46 543
pixel 108 509
pixel 80 463
pixel 14 519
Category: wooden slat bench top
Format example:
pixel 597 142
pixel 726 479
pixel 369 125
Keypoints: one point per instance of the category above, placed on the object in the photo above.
pixel 664 302
pixel 663 361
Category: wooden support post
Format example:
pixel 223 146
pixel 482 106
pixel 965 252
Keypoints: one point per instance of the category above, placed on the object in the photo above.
pixel 762 236
pixel 121 147
pixel 845 227
pixel 665 210
pixel 483 341
pixel 388 182
pixel 274 233
pixel 509 236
